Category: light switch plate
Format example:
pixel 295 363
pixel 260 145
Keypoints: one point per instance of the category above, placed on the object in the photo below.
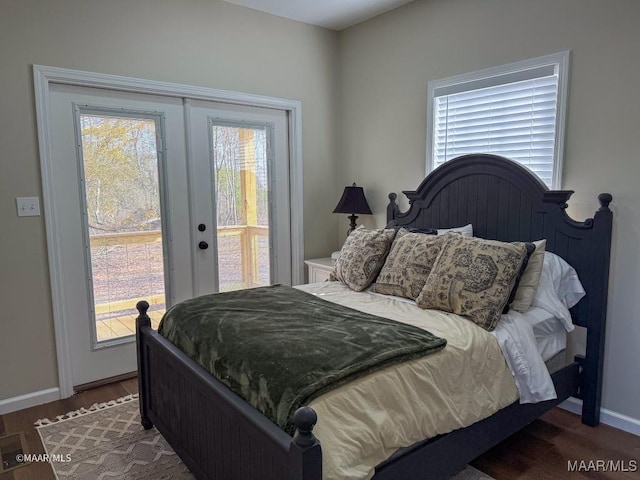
pixel 28 206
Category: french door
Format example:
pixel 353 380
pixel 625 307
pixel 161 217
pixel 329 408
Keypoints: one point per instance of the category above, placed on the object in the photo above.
pixel 246 217
pixel 160 198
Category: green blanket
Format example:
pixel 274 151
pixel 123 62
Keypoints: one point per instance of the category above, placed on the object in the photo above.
pixel 278 347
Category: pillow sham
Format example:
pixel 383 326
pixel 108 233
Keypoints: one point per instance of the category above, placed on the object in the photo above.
pixel 559 289
pixel 530 249
pixel 472 277
pixel 565 279
pixel 362 256
pixel 528 285
pixel 408 264
pixel 465 231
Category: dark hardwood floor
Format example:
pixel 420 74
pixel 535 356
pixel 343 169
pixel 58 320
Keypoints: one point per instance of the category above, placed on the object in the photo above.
pixel 544 449
pixel 22 421
pixel 540 451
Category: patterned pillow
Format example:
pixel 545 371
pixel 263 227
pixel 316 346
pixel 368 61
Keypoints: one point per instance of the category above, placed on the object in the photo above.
pixel 472 277
pixel 362 257
pixel 408 265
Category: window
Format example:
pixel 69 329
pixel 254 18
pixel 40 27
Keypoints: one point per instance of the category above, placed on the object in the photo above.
pixel 516 111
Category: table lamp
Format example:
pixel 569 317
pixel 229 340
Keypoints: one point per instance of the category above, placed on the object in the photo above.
pixel 352 201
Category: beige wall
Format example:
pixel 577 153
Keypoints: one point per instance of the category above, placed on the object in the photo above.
pixel 386 63
pixel 196 42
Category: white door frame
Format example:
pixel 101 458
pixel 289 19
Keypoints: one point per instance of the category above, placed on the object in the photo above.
pixel 43 76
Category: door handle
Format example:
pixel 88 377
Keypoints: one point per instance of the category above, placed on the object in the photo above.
pixel 203 245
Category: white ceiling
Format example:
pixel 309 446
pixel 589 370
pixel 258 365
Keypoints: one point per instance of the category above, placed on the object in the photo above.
pixel 333 14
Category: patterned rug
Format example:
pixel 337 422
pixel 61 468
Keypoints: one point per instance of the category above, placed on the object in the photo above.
pixel 107 441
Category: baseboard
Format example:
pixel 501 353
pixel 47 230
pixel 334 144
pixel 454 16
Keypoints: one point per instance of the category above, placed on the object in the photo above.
pixel 613 419
pixel 105 381
pixel 29 400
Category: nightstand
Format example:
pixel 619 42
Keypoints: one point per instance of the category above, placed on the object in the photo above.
pixel 319 269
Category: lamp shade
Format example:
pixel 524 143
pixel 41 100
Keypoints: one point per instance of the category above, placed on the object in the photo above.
pixel 352 201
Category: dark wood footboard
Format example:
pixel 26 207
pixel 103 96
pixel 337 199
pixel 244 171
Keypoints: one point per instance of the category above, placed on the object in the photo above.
pixel 216 433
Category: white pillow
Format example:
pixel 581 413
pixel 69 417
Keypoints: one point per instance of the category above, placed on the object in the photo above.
pixel 466 231
pixel 559 289
pixel 565 279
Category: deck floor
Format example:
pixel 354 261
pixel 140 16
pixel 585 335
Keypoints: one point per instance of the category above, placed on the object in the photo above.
pixel 124 325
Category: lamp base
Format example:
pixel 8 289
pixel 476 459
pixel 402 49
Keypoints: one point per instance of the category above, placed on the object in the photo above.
pixel 352 225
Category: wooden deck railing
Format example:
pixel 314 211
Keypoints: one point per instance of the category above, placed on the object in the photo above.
pixel 249 258
pixel 248 250
pixel 125 238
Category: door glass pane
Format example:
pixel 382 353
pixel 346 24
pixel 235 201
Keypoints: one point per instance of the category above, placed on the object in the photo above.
pixel 242 196
pixel 122 207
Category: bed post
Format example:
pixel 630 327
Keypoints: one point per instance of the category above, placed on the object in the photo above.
pixel 305 451
pixel 142 321
pixel 392 208
pixel 592 363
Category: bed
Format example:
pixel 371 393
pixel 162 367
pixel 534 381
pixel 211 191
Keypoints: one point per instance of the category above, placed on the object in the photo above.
pixel 219 435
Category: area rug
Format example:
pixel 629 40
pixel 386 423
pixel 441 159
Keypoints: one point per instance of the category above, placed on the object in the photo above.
pixel 107 441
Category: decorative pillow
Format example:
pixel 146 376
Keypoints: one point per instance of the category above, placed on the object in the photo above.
pixel 408 264
pixel 528 285
pixel 466 231
pixel 472 277
pixel 531 248
pixel 362 257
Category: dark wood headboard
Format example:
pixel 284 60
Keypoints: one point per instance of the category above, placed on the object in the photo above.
pixel 505 201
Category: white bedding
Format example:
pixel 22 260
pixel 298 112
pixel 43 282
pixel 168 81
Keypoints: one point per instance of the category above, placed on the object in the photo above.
pixel 364 422
pixel 518 343
pixel 550 332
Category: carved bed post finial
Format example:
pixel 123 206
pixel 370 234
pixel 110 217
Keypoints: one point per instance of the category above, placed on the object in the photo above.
pixel 605 200
pixel 143 319
pixel 392 208
pixel 305 419
pixel 142 306
pixel 305 447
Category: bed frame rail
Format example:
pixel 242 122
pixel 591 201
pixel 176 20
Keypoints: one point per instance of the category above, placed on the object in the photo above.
pixel 215 432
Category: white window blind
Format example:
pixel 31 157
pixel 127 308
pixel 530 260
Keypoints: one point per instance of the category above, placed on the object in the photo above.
pixel 514 114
